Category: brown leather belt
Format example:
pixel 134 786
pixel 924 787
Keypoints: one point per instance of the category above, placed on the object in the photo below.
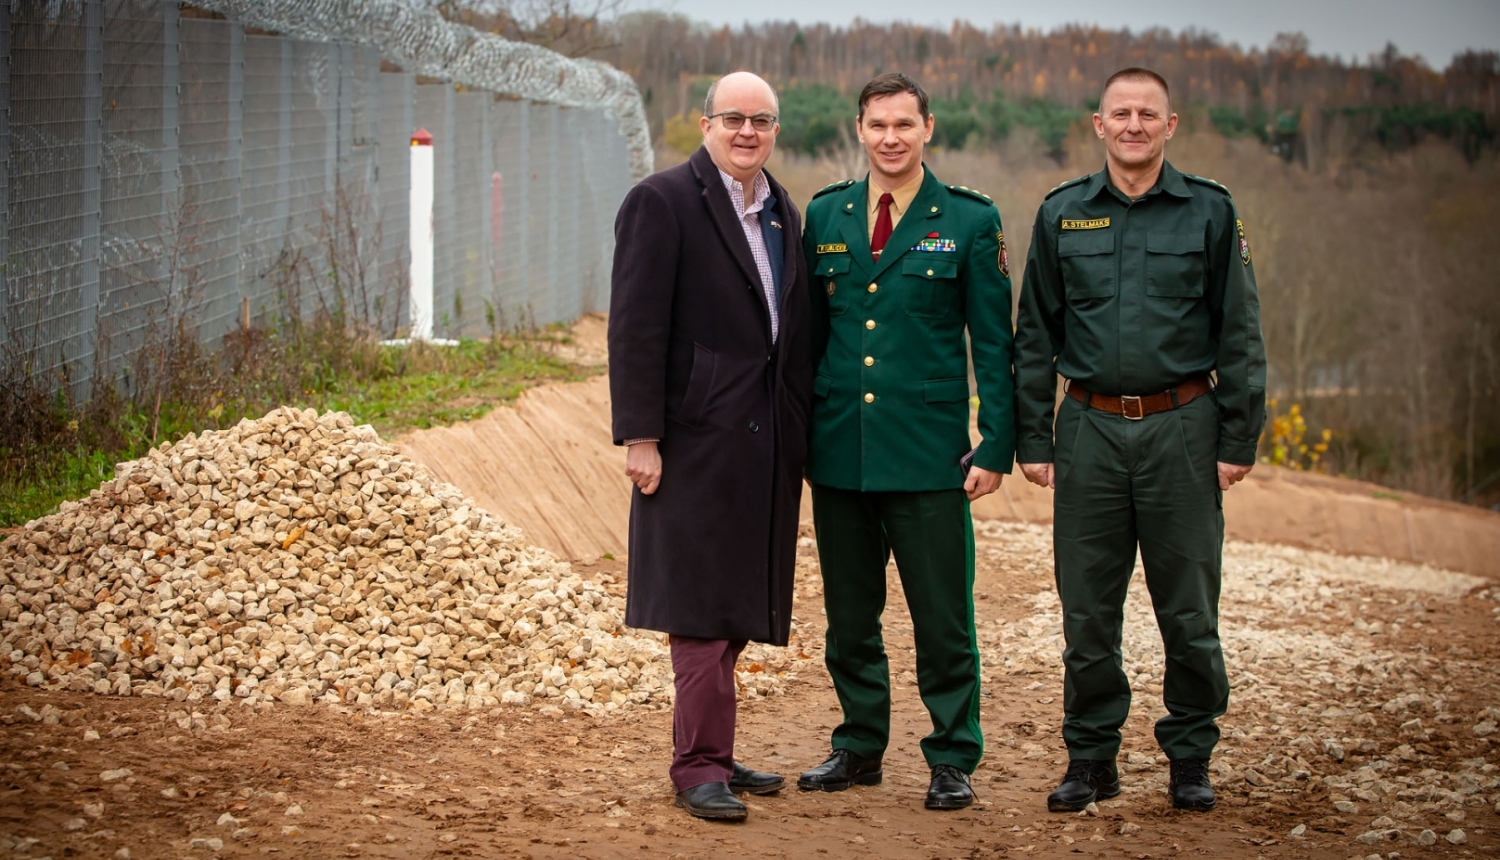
pixel 1136 408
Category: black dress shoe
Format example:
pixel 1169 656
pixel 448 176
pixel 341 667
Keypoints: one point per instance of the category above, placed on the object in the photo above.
pixel 743 780
pixel 1189 785
pixel 1086 781
pixel 712 800
pixel 949 789
pixel 841 770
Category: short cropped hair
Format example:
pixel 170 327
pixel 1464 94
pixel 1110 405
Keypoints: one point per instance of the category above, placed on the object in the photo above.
pixel 1136 74
pixel 890 84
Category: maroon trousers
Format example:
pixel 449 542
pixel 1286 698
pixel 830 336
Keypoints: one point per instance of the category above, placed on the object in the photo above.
pixel 704 710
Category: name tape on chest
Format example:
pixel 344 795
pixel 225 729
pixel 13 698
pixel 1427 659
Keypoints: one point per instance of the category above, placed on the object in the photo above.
pixel 833 249
pixel 1090 224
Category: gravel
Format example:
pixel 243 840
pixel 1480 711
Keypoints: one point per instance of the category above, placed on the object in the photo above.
pixel 1328 702
pixel 299 559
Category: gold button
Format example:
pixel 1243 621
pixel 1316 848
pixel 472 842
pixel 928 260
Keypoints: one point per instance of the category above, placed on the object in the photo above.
pixel 869 323
pixel 929 273
pixel 848 205
pixel 869 398
pixel 872 288
pixel 869 361
pixel 934 208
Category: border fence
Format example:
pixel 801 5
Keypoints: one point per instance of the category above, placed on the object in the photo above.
pixel 164 167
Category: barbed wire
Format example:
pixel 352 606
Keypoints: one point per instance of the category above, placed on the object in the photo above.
pixel 422 41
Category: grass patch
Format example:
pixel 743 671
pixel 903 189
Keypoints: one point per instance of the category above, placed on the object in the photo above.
pixel 52 451
pixel 468 381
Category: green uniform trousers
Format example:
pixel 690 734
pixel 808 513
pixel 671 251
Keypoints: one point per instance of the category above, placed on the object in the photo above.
pixel 1152 483
pixel 932 538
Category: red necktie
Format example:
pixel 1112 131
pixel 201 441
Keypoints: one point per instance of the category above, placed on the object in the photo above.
pixel 882 225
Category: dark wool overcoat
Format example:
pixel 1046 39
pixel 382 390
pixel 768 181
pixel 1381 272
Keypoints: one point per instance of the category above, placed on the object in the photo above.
pixel 692 363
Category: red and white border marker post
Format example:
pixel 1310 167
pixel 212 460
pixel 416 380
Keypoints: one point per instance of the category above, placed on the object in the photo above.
pixel 421 238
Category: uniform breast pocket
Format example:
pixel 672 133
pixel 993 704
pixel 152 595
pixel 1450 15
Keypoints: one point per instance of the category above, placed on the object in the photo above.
pixel 1087 261
pixel 1174 265
pixel 929 285
pixel 832 276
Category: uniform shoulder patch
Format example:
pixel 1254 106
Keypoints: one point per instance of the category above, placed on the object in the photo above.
pixel 834 187
pixel 964 190
pixel 1070 183
pixel 1203 180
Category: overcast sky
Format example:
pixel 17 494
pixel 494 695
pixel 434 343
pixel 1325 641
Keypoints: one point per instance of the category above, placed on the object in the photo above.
pixel 1353 29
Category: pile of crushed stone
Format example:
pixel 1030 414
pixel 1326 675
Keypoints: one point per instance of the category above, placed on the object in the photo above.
pixel 298 558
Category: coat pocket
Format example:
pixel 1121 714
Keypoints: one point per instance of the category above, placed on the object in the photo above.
pixel 699 387
pixel 1087 261
pixel 929 285
pixel 821 386
pixel 832 275
pixel 1174 265
pixel 945 390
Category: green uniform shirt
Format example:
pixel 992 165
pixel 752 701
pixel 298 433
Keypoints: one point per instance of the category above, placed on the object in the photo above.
pixel 1134 297
pixel 891 396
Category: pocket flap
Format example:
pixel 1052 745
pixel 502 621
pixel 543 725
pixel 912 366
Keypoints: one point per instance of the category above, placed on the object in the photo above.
pixel 945 390
pixel 821 386
pixel 1085 243
pixel 1174 243
pixel 922 265
pixel 834 264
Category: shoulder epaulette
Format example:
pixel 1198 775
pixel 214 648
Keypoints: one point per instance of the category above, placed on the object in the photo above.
pixel 1203 180
pixel 1068 184
pixel 977 195
pixel 834 187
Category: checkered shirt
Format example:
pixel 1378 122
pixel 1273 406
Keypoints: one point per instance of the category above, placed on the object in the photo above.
pixel 750 222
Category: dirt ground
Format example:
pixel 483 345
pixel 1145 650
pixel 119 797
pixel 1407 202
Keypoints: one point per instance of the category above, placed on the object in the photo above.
pixel 90 776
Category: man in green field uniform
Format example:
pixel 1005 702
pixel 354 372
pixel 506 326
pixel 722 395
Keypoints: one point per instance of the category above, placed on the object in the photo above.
pixel 901 266
pixel 1138 286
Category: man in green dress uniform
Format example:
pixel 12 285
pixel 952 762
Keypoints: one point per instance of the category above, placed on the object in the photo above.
pixel 1140 293
pixel 902 266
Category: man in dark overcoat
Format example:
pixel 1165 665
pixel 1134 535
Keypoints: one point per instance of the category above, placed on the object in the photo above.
pixel 710 378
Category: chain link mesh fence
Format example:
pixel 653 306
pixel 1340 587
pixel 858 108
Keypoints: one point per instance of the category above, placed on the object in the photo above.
pixel 168 168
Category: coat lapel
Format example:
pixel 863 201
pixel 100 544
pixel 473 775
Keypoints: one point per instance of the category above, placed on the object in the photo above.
pixel 791 252
pixel 914 224
pixel 721 213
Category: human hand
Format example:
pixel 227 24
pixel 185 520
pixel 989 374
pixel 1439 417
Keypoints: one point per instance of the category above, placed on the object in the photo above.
pixel 1230 474
pixel 981 482
pixel 1040 474
pixel 643 466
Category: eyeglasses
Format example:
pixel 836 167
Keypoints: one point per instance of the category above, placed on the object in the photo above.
pixel 736 121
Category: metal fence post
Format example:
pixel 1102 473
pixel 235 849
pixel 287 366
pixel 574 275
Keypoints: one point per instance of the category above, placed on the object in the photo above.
pixel 525 231
pixel 5 321
pixel 554 205
pixel 488 290
pixel 235 162
pixel 83 343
